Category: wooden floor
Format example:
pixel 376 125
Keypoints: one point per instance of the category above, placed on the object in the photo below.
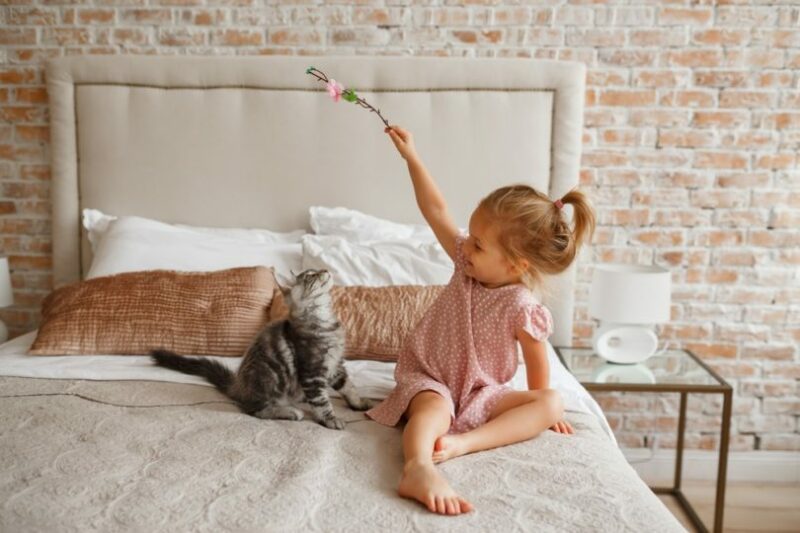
pixel 748 506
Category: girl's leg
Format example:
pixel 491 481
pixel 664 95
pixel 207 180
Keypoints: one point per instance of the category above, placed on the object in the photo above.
pixel 428 418
pixel 518 416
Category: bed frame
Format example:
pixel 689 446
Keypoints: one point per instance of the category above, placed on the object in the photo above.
pixel 253 142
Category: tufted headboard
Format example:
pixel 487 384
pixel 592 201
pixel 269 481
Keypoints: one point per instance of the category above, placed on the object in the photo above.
pixel 255 141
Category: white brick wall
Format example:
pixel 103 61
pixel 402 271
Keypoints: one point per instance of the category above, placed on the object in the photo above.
pixel 692 128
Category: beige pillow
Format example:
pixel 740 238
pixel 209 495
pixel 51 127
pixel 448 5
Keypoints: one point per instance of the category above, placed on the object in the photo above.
pixel 191 313
pixel 376 320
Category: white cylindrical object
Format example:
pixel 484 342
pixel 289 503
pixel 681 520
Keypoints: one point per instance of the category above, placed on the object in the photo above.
pixel 6 292
pixel 630 294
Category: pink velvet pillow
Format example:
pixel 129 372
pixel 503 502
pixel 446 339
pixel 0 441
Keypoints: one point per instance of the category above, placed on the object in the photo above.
pixel 376 320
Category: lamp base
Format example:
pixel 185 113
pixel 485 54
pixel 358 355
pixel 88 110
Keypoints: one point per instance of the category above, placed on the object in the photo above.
pixel 627 344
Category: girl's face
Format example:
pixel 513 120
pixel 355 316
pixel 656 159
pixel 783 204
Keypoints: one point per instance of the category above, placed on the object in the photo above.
pixel 485 259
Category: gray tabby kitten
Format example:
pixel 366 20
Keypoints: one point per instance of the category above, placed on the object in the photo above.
pixel 290 360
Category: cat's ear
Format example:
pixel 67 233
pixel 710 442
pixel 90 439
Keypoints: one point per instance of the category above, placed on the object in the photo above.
pixel 286 286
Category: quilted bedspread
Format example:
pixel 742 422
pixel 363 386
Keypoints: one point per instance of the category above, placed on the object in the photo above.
pixel 150 456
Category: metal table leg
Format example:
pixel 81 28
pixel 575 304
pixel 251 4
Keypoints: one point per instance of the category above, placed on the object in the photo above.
pixel 676 485
pixel 722 468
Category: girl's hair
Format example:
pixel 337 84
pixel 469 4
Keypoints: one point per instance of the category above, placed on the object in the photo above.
pixel 535 228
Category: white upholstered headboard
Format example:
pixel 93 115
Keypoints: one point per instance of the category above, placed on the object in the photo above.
pixel 254 141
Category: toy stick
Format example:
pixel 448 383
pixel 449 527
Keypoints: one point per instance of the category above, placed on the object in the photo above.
pixel 337 91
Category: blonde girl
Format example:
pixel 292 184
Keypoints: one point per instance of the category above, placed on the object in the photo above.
pixel 453 372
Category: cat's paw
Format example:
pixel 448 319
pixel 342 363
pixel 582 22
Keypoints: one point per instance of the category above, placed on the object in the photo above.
pixel 280 413
pixel 293 413
pixel 333 423
pixel 363 404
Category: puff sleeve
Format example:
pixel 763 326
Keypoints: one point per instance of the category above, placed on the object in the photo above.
pixel 536 320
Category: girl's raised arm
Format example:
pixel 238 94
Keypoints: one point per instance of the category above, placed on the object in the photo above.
pixel 429 198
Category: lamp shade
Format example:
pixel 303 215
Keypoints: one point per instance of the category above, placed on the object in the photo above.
pixel 630 294
pixel 6 294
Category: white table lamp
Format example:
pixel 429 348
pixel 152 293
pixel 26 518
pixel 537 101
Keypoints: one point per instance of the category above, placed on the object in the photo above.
pixel 6 294
pixel 628 300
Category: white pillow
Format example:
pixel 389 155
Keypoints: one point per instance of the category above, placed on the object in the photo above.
pixel 130 244
pixel 97 223
pixel 378 263
pixel 358 226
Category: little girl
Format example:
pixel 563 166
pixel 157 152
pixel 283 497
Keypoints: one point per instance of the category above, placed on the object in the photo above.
pixel 452 374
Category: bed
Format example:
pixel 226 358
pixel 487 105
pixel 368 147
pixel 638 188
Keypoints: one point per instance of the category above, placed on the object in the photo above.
pixel 102 442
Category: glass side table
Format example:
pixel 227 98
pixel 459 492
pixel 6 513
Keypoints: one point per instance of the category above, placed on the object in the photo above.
pixel 678 371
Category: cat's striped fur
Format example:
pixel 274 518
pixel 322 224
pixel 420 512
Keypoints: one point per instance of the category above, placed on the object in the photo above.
pixel 290 360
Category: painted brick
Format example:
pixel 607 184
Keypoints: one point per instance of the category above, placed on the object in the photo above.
pixel 203 17
pixel 746 16
pixel 31 16
pixel 627 57
pixel 573 15
pixel 681 16
pixel 694 58
pixel 237 37
pixel 686 138
pixel 146 16
pixel 763 388
pixel 741 218
pixel 721 37
pixel 658 37
pixel 295 36
pixel 688 98
pixel 681 217
pixel 757 139
pixel 660 117
pixel 16 36
pixel 778 78
pixel 780 441
pixel 720 119
pixel 661 78
pixel 627 98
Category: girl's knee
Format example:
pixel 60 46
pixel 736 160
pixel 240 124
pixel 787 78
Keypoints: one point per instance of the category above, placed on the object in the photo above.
pixel 427 400
pixel 553 403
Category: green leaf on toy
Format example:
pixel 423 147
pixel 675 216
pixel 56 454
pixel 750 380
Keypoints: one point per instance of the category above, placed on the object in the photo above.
pixel 350 95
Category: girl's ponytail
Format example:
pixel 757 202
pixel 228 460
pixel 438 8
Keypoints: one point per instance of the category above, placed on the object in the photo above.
pixel 583 218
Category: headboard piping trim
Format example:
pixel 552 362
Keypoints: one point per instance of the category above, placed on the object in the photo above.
pixel 307 89
pixel 250 87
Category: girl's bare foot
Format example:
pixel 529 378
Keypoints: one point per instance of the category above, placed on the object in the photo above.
pixel 423 482
pixel 447 447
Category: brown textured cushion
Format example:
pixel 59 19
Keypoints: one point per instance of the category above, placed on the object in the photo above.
pixel 191 313
pixel 376 320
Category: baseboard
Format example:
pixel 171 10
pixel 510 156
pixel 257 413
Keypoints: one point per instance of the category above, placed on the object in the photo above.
pixel 700 465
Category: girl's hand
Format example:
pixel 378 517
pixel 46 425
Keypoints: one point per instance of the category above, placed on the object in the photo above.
pixel 564 427
pixel 403 141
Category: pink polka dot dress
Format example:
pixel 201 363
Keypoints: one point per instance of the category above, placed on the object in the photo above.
pixel 465 348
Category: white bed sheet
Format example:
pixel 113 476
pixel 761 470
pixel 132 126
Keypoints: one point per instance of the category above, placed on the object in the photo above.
pixel 373 379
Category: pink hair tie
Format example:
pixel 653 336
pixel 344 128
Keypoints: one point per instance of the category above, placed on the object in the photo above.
pixel 559 204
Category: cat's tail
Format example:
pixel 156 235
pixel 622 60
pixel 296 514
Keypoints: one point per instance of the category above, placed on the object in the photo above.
pixel 214 372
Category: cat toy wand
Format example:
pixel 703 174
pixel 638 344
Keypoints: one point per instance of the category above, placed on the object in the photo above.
pixel 337 91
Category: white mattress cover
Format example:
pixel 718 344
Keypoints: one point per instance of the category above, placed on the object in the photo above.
pixel 373 379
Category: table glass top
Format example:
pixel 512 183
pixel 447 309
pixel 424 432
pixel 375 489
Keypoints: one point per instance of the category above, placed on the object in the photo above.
pixel 673 367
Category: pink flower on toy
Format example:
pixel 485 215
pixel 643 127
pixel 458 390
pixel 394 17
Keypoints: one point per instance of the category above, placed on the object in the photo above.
pixel 337 92
pixel 335 89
